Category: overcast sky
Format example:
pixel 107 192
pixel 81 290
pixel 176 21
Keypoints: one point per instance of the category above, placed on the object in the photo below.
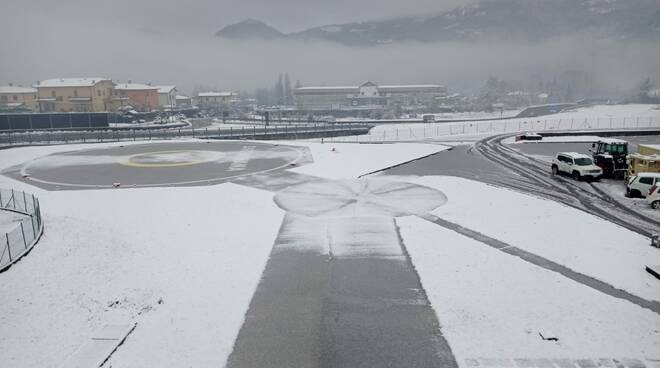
pixel 172 42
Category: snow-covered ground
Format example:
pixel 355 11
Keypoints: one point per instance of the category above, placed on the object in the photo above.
pixel 184 262
pixel 181 262
pixel 560 139
pixel 586 118
pixel 9 221
pixel 554 231
pixel 493 305
pixel 344 160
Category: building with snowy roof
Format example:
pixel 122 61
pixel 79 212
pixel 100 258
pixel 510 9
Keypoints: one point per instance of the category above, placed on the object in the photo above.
pixel 167 96
pixel 75 94
pixel 142 97
pixel 18 98
pixel 367 94
pixel 209 100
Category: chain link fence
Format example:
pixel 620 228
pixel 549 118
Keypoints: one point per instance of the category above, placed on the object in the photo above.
pixel 19 236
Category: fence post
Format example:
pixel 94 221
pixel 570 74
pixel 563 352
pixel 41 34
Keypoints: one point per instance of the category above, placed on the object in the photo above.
pixel 24 202
pixel 23 233
pixel 8 248
pixel 34 231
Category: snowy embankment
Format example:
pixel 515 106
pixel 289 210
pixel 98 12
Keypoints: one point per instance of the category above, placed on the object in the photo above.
pixel 181 262
pixel 349 161
pixel 494 305
pixel 586 118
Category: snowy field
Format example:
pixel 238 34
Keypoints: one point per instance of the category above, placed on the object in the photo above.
pixel 184 263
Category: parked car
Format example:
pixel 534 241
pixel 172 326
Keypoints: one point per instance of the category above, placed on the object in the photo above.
pixel 577 165
pixel 638 186
pixel 529 136
pixel 653 197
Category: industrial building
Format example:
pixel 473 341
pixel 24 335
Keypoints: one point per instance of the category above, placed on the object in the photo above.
pixel 367 95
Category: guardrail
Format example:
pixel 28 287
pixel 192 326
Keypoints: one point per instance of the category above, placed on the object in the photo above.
pixel 12 138
pixel 20 239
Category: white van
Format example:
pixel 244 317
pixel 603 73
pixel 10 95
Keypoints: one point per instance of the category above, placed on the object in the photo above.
pixel 638 186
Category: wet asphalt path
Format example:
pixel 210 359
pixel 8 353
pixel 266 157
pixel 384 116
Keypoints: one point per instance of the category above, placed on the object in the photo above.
pixel 324 302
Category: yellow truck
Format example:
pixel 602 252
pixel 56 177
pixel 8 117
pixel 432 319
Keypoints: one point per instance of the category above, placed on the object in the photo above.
pixel 646 160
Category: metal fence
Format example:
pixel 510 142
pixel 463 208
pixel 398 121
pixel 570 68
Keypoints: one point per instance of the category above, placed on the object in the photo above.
pixel 23 234
pixel 10 138
pixel 439 131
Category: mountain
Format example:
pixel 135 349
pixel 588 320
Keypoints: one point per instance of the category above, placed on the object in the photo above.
pixel 250 29
pixel 490 20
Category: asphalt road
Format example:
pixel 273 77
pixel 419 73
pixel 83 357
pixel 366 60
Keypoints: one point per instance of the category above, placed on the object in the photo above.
pixel 158 164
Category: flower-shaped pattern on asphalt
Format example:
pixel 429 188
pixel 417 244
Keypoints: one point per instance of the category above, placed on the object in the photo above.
pixel 352 198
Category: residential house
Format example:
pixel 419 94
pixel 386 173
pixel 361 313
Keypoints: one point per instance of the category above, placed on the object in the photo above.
pixel 140 97
pixel 74 94
pixel 183 101
pixel 208 100
pixel 18 98
pixel 167 96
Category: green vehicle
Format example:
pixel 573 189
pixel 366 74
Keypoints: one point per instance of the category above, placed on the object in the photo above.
pixel 611 156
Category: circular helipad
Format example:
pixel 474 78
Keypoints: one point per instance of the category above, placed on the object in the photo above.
pixel 369 197
pixel 157 164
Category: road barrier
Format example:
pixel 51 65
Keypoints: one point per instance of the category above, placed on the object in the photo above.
pixel 24 235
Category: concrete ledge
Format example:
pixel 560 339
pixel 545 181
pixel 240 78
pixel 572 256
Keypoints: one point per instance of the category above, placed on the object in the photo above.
pixel 654 270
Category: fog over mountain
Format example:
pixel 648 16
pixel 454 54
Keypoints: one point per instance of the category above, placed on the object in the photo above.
pixel 486 20
pixel 173 42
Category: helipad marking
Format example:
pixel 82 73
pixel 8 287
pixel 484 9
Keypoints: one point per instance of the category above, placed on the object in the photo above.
pixel 192 182
pixel 129 161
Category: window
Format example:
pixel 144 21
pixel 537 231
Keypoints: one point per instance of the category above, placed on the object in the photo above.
pixel 3 98
pixel 583 161
pixel 98 93
pixel 15 98
pixel 646 180
pixel 52 94
pixel 75 93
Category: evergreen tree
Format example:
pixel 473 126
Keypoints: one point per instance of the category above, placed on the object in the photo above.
pixel 279 91
pixel 288 92
pixel 645 86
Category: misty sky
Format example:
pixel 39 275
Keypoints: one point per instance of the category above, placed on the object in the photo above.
pixel 210 15
pixel 172 42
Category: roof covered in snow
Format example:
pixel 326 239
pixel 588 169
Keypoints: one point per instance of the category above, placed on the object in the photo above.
pixel 216 94
pixel 165 89
pixel 612 141
pixel 575 155
pixel 72 82
pixel 135 87
pixel 15 89
pixel 384 88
